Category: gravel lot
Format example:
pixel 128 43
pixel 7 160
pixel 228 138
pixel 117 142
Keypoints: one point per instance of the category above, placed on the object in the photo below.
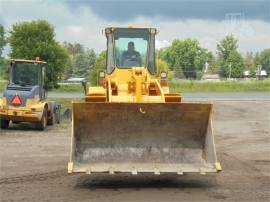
pixel 33 165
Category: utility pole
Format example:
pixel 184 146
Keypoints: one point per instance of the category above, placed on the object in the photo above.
pixel 230 71
pixel 259 71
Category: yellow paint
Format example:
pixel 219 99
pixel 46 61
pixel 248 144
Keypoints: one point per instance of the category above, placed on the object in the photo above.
pixel 96 90
pixel 134 85
pixel 70 167
pixel 218 166
pixel 131 85
pixel 31 112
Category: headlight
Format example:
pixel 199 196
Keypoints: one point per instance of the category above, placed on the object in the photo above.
pixel 163 75
pixel 101 74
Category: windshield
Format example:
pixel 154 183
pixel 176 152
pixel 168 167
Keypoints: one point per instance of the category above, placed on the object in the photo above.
pixel 131 48
pixel 25 74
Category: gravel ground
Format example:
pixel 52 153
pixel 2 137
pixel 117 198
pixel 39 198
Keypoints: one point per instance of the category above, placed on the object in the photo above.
pixel 33 165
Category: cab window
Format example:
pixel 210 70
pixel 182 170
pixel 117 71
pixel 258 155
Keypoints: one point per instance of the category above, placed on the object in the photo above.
pixel 131 48
pixel 26 74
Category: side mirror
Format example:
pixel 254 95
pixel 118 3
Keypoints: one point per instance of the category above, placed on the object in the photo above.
pixel 45 87
pixel 84 84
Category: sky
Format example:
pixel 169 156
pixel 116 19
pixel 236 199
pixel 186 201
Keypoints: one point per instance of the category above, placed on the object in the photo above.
pixel 208 21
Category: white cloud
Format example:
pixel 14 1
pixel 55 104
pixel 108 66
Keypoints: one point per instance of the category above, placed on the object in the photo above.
pixel 162 43
pixel 73 29
pixel 85 27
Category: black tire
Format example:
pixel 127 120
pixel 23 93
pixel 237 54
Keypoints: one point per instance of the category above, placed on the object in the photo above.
pixel 51 119
pixel 41 125
pixel 57 116
pixel 4 123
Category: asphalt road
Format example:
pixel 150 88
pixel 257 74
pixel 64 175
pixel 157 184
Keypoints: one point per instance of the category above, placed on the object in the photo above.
pixel 188 96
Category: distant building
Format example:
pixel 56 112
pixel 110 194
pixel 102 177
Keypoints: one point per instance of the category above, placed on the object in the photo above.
pixel 75 80
pixel 210 77
pixel 246 73
pixel 261 74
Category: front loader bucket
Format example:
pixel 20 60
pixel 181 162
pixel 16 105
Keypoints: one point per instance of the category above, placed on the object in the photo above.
pixel 142 137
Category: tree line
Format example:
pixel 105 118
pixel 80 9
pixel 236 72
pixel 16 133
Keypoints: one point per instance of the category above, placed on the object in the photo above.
pixel 187 59
pixel 182 59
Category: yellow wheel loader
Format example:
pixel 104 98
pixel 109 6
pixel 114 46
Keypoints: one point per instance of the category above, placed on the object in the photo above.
pixel 131 123
pixel 24 97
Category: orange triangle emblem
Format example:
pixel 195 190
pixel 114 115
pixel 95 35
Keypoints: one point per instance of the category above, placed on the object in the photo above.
pixel 16 100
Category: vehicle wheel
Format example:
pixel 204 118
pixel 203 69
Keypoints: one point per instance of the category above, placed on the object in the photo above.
pixel 57 116
pixel 41 125
pixel 51 119
pixel 4 123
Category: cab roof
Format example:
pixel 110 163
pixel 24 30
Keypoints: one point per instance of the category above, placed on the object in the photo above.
pixel 28 61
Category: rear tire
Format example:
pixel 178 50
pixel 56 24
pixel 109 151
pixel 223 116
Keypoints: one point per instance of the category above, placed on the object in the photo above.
pixel 41 125
pixel 4 123
pixel 51 119
pixel 57 115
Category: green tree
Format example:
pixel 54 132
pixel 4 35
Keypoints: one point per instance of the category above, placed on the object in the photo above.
pixel 2 39
pixel 73 49
pixel 213 66
pixel 265 60
pixel 250 64
pixel 227 50
pixel 3 69
pixel 234 65
pixel 3 62
pixel 178 72
pixel 100 64
pixel 186 55
pixel 162 66
pixel 226 46
pixel 164 54
pixel 37 39
pixel 81 60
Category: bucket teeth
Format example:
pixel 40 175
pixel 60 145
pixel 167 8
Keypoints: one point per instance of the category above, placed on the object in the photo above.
pixel 202 171
pixel 134 172
pixel 180 172
pixel 70 167
pixel 156 171
pixel 111 171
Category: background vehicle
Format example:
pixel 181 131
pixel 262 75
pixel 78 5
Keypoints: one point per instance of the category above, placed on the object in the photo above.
pixel 131 123
pixel 24 97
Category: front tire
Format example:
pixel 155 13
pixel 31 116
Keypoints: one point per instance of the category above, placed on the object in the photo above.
pixel 4 123
pixel 41 125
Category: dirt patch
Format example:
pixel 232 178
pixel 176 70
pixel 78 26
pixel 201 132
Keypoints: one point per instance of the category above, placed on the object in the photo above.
pixel 33 165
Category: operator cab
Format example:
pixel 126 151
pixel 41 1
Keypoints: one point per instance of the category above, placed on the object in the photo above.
pixel 26 79
pixel 130 47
